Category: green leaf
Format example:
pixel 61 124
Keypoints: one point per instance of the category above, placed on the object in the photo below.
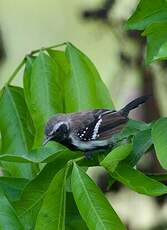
pixel 152 18
pixel 118 154
pixel 156 41
pixel 8 218
pixel 141 144
pixel 132 128
pixel 15 130
pixel 46 154
pixel 43 92
pixel 137 125
pixel 20 170
pixel 137 181
pixel 16 138
pixel 159 134
pixel 52 212
pixel 92 204
pixel 158 176
pixel 73 218
pixel 31 200
pixel 83 87
pixel 60 58
pixel 26 77
pixel 146 13
pixel 13 187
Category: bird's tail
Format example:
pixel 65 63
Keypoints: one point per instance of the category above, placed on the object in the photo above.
pixel 133 104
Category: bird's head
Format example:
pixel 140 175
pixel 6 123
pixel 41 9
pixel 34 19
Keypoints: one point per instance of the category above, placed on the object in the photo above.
pixel 57 129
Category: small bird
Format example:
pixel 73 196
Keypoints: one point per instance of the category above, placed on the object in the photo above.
pixel 91 130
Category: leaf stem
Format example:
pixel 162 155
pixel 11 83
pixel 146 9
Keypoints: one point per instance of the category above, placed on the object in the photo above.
pixel 50 47
pixel 15 72
pixel 79 159
pixel 24 59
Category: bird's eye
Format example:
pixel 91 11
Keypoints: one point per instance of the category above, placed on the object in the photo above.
pixel 58 130
pixel 62 129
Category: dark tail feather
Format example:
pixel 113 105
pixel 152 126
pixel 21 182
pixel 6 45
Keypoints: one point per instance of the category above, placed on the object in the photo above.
pixel 133 104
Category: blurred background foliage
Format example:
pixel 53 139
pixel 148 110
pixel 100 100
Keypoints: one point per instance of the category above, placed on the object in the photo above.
pixel 97 28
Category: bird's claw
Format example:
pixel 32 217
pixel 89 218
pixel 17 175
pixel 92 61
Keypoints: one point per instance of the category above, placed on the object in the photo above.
pixel 88 155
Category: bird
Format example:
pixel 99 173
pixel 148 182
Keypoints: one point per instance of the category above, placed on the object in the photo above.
pixel 89 131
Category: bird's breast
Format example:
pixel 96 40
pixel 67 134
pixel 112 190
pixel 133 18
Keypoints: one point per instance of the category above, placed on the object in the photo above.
pixel 89 145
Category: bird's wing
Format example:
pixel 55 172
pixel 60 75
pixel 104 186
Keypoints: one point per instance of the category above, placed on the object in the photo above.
pixel 112 123
pixel 98 124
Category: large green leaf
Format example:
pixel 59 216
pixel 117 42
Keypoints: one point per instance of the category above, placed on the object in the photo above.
pixel 158 176
pixel 60 58
pixel 83 87
pixel 118 154
pixel 29 204
pixel 137 181
pixel 43 92
pixel 73 218
pixel 16 137
pixel 132 128
pixel 141 143
pixel 16 132
pixel 8 218
pixel 159 134
pixel 52 212
pixel 92 204
pixel 27 79
pixel 146 13
pixel 13 187
pixel 46 154
pixel 156 41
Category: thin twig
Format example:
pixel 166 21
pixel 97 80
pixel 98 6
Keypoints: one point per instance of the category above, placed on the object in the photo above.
pixel 50 47
pixel 24 59
pixel 79 159
pixel 15 72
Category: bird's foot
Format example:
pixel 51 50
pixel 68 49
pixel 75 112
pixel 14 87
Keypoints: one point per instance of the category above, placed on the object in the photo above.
pixel 88 155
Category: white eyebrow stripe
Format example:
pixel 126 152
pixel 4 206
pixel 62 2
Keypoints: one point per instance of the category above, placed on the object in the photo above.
pixel 56 126
pixel 96 129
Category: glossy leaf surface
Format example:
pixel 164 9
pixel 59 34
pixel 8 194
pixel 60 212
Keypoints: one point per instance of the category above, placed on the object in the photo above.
pixel 118 154
pixel 15 129
pixel 43 92
pixel 146 13
pixel 92 204
pixel 156 42
pixel 73 218
pixel 13 187
pixel 52 212
pixel 83 87
pixel 8 217
pixel 159 134
pixel 137 181
pixel 141 143
pixel 31 200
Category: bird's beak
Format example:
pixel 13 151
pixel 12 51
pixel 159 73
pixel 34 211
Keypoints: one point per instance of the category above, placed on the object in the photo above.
pixel 46 140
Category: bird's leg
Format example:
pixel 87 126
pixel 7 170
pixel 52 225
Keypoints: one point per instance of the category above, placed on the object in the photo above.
pixel 89 154
pixel 110 147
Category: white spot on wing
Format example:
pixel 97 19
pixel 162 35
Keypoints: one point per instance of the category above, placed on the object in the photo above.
pixel 88 145
pixel 96 129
